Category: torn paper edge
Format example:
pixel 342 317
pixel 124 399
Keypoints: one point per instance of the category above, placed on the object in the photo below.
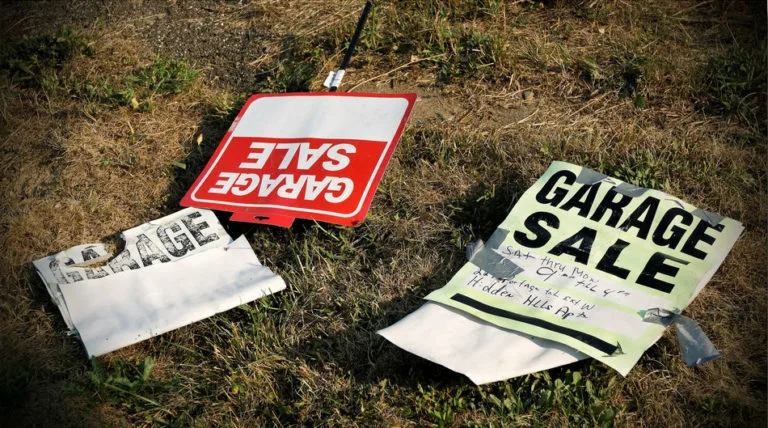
pixel 73 265
pixel 148 302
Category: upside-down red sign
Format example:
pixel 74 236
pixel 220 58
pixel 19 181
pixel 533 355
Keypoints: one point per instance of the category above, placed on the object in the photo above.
pixel 317 156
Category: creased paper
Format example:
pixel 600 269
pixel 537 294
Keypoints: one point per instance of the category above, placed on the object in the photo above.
pixel 181 234
pixel 592 258
pixel 480 350
pixel 116 311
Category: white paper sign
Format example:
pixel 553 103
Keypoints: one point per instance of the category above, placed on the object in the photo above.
pixel 147 302
pixel 468 345
pixel 181 234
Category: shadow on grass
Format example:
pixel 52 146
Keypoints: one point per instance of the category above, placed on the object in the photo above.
pixel 358 349
pixel 40 376
pixel 370 358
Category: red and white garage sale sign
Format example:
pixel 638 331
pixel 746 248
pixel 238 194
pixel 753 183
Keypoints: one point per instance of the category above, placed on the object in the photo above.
pixel 304 155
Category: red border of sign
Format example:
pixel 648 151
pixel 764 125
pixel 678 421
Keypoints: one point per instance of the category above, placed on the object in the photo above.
pixel 279 216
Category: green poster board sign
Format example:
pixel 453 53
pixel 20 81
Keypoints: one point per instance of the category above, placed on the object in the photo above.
pixel 581 256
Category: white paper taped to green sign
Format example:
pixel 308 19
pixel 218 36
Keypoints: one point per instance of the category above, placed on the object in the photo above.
pixel 592 253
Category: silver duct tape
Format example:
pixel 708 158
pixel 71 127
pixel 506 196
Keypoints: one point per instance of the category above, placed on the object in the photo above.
pixel 498 238
pixel 590 176
pixel 630 190
pixel 712 218
pixel 492 262
pixel 694 344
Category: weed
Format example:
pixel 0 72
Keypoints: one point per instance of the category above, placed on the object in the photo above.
pixel 294 72
pixel 638 167
pixel 289 76
pixel 370 38
pixel 129 383
pixel 568 399
pixel 577 397
pixel 735 84
pixel 163 76
pixel 468 54
pixel 536 54
pixel 624 73
pixel 590 71
pixel 429 145
pixel 35 62
pixel 440 407
pixel 105 94
pixel 632 70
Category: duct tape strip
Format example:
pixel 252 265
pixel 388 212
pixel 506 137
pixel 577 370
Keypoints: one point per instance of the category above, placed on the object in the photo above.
pixel 712 218
pixel 498 238
pixel 630 190
pixel 695 346
pixel 334 79
pixel 590 176
pixel 473 248
pixel 329 79
pixel 484 256
pixel 585 338
pixel 495 264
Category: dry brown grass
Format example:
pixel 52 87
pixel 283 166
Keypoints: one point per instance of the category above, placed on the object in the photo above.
pixel 553 81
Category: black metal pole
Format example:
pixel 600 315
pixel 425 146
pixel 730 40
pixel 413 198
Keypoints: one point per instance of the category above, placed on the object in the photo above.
pixel 353 42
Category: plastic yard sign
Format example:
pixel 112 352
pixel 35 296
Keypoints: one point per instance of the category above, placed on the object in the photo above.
pixel 316 156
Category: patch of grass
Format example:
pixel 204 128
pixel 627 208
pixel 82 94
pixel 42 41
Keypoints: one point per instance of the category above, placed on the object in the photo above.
pixel 639 168
pixel 569 397
pixel 573 397
pixel 734 83
pixel 35 62
pixel 136 90
pixel 468 54
pixel 625 73
pixel 163 76
pixel 106 94
pixel 130 384
pixel 632 71
pixel 428 145
pixel 309 355
pixel 590 71
pixel 543 55
pixel 439 407
pixel 295 70
pixel 289 76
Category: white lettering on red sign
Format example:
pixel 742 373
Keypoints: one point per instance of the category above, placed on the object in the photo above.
pixel 316 156
pixel 334 189
pixel 336 153
pixel 290 186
